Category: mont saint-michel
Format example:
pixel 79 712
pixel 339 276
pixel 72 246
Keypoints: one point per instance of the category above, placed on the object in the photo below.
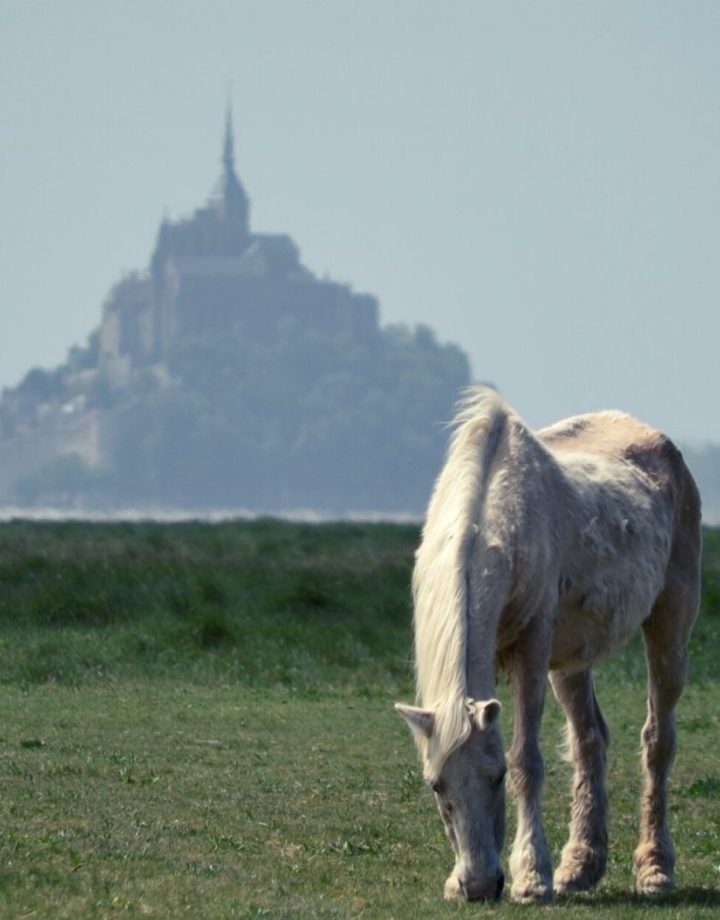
pixel 228 375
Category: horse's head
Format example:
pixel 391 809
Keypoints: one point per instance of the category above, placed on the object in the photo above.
pixel 469 790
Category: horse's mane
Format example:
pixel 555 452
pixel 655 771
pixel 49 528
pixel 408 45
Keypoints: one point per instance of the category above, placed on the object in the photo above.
pixel 440 577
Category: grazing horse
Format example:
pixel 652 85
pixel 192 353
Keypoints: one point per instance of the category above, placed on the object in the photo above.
pixel 545 552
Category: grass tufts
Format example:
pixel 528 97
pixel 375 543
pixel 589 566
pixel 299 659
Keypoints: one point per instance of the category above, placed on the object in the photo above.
pixel 708 787
pixel 215 630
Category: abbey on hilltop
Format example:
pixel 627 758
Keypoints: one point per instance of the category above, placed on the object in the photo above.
pixel 228 375
pixel 210 273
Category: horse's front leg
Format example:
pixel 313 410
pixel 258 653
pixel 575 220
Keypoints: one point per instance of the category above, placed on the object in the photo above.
pixel 530 862
pixel 584 857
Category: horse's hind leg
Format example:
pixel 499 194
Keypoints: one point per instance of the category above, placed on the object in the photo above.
pixel 584 857
pixel 666 634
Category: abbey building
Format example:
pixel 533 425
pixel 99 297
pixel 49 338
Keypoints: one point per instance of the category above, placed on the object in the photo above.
pixel 210 273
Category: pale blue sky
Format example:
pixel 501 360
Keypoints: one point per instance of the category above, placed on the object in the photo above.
pixel 538 181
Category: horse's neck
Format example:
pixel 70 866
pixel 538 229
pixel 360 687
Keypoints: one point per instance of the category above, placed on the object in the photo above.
pixel 501 568
pixel 487 595
pixel 480 677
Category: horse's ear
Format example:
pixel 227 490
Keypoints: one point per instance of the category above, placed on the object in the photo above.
pixel 486 712
pixel 419 720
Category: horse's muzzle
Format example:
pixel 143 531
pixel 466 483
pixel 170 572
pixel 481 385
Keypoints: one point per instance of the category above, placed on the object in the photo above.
pixel 486 890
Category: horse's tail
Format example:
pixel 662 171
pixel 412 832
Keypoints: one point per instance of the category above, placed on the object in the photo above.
pixel 441 575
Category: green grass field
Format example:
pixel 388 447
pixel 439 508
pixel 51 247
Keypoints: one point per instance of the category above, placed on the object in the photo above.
pixel 196 721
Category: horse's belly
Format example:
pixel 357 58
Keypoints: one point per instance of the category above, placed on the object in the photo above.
pixel 604 597
pixel 592 628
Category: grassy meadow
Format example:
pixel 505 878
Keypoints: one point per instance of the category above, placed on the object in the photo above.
pixel 196 721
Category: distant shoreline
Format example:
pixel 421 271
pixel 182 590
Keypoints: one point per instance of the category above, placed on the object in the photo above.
pixel 175 515
pixel 219 516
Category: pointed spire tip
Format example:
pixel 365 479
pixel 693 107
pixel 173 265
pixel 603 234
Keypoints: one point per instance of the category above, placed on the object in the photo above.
pixel 228 157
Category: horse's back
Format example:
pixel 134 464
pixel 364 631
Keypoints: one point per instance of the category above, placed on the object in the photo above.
pixel 615 436
pixel 607 434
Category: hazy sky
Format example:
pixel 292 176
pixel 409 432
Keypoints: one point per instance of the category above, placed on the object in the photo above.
pixel 538 181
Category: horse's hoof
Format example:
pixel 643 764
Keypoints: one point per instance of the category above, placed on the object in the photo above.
pixel 652 882
pixel 654 869
pixel 581 868
pixel 531 892
pixel 452 890
pixel 570 885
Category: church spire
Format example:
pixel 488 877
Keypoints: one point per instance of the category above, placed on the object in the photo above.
pixel 229 195
pixel 228 157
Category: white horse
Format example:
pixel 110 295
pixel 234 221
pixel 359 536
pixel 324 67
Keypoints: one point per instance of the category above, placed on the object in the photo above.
pixel 545 553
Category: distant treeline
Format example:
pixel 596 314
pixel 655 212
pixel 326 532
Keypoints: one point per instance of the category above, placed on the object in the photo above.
pixel 306 421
